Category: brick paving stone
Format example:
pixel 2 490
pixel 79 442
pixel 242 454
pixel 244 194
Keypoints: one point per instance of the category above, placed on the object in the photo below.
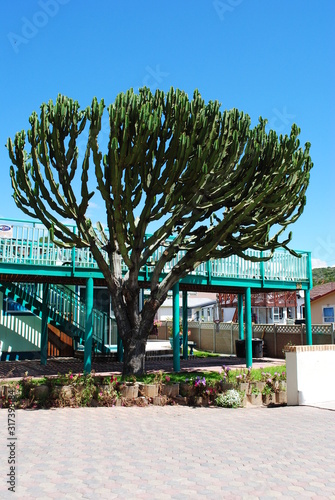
pixel 173 452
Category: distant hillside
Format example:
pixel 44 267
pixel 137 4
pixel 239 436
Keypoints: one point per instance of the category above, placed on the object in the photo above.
pixel 323 275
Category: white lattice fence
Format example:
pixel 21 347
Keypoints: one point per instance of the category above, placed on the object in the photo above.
pixel 327 329
pixel 289 328
pixel 208 337
pixel 258 330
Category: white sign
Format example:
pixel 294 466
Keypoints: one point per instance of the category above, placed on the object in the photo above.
pixel 6 231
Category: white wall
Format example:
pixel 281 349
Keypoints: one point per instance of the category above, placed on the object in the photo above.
pixel 310 374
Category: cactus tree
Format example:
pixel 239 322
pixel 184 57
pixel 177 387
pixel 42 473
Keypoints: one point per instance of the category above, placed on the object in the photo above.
pixel 200 179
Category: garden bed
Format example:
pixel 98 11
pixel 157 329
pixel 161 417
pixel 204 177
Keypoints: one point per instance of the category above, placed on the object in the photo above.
pixel 228 388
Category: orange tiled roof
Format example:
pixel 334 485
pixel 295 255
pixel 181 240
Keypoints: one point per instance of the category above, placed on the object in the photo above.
pixel 321 290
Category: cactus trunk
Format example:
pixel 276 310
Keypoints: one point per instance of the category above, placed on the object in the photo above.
pixel 134 356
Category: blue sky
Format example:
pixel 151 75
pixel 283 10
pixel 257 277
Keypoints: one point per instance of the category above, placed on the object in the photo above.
pixel 271 59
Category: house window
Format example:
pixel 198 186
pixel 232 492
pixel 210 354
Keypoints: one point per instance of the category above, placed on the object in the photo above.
pixel 290 313
pixel 209 314
pixel 277 313
pixel 302 311
pixel 328 314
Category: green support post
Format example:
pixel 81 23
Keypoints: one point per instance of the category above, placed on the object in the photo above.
pixel 73 254
pixel 209 272
pixel 309 270
pixel 88 326
pixel 248 332
pixel 240 316
pixel 185 326
pixel 44 326
pixel 261 268
pixel 175 328
pixel 308 318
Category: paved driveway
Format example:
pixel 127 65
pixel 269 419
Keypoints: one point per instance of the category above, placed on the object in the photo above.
pixel 171 453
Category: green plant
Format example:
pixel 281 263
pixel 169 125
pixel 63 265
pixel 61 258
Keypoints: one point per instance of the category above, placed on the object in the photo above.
pixel 257 373
pixel 281 386
pixel 255 390
pixel 10 394
pixel 204 354
pixel 267 377
pixel 230 399
pixel 226 375
pixel 244 375
pixel 199 384
pixel 26 384
pixel 129 379
pixel 159 379
pixel 267 390
pixel 109 391
pixel 202 387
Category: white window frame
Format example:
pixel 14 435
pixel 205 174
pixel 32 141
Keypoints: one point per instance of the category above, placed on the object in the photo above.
pixel 302 311
pixel 277 314
pixel 331 320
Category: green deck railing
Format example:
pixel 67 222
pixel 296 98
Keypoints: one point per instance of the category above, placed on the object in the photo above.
pixel 29 244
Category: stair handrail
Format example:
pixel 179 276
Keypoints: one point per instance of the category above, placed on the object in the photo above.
pixel 65 303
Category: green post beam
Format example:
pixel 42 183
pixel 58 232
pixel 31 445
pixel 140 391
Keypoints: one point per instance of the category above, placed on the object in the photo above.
pixel 209 272
pixel 44 326
pixel 261 267
pixel 248 332
pixel 240 316
pixel 175 328
pixel 88 326
pixel 185 326
pixel 308 318
pixel 73 254
pixel 309 270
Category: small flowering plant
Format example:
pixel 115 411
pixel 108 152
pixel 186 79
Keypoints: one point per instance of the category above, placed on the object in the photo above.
pixel 202 387
pixel 9 395
pixel 160 379
pixel 269 383
pixel 231 399
pixel 278 381
pixel 110 391
pixel 74 379
pixel 113 383
pixel 244 376
pixel 225 373
pixel 226 380
pixel 266 377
